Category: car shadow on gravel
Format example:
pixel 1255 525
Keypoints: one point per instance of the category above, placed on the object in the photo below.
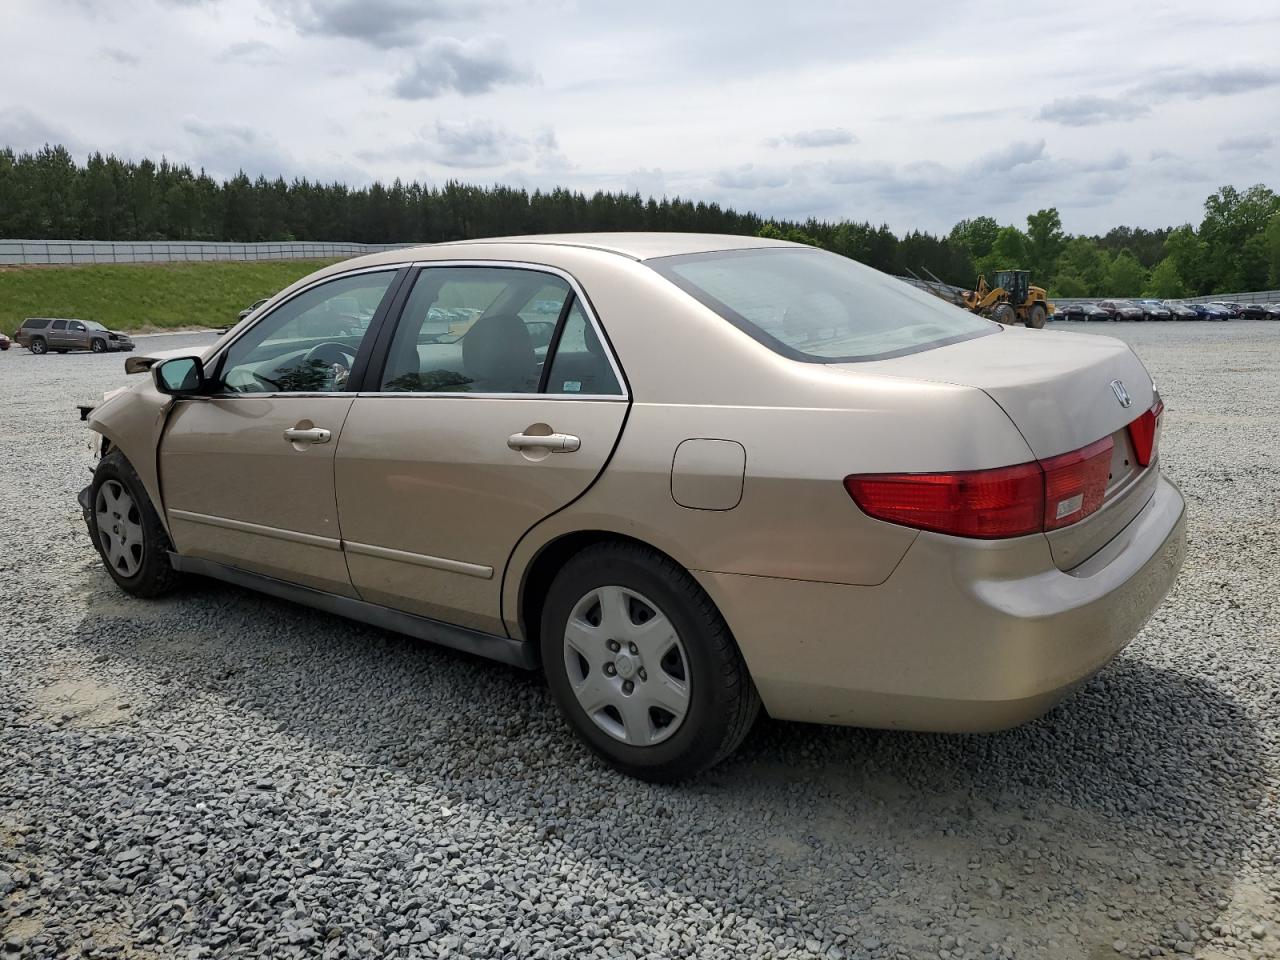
pixel 1134 799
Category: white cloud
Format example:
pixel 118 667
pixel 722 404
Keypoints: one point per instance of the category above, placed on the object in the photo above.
pixel 832 111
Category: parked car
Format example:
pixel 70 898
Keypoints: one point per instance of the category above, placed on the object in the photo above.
pixel 1180 311
pixel 43 334
pixel 1154 310
pixel 1122 310
pixel 1231 310
pixel 4 341
pixel 1080 311
pixel 1253 311
pixel 746 473
pixel 251 307
pixel 1273 311
pixel 1209 311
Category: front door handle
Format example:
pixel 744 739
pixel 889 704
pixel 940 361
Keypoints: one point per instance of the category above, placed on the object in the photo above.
pixel 313 435
pixel 555 442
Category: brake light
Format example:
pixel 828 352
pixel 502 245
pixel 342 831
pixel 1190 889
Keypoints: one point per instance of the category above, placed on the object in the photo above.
pixel 1144 432
pixel 1075 483
pixel 991 504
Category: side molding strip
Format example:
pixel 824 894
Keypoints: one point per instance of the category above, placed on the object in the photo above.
pixel 421 559
pixel 243 526
pixel 503 649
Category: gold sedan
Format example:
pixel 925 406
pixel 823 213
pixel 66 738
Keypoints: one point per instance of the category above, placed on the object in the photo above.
pixel 686 476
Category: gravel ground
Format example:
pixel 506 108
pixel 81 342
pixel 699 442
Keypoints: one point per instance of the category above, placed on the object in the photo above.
pixel 223 774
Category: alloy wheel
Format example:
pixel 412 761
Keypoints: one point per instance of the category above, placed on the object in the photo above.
pixel 627 666
pixel 119 528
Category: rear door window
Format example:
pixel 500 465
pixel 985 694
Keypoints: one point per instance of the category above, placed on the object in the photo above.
pixel 475 330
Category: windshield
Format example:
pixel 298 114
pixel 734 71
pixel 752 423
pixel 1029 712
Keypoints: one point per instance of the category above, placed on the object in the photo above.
pixel 818 306
pixel 94 325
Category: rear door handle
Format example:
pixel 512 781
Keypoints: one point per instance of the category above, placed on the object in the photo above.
pixel 556 442
pixel 314 435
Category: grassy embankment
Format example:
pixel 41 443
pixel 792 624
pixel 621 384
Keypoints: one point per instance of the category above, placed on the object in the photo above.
pixel 144 296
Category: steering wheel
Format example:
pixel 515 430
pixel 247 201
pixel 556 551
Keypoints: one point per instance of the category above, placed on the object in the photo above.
pixel 338 355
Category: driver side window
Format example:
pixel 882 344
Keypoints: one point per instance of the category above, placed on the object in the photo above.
pixel 309 343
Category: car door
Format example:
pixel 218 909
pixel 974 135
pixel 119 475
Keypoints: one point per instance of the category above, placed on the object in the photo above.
pixel 472 432
pixel 59 338
pixel 77 335
pixel 247 472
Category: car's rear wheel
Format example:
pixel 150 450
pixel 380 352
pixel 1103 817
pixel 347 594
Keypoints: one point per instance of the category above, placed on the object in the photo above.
pixel 99 345
pixel 127 530
pixel 38 345
pixel 642 664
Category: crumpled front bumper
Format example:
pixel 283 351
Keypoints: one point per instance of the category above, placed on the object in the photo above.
pixel 85 499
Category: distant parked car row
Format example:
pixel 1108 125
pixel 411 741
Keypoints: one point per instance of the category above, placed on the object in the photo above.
pixel 1165 310
pixel 45 334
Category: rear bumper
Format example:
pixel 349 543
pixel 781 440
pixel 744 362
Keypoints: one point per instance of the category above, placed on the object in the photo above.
pixel 960 637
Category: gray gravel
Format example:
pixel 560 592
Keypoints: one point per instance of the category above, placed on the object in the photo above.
pixel 222 774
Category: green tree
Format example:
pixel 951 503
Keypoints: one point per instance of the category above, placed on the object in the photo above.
pixel 1231 218
pixel 1126 276
pixel 1085 260
pixel 977 235
pixel 1069 286
pixel 1009 252
pixel 1190 256
pixel 1165 282
pixel 1045 243
pixel 1272 236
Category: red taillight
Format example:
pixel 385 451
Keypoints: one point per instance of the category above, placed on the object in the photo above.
pixel 1075 483
pixel 1005 502
pixel 990 504
pixel 1144 432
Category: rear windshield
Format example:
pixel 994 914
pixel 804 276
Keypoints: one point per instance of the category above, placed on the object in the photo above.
pixel 818 306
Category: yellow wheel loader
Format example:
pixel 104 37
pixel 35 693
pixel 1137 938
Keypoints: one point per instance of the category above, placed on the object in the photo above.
pixel 1012 300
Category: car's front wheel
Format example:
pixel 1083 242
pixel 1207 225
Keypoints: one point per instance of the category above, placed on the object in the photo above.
pixel 99 345
pixel 642 664
pixel 127 530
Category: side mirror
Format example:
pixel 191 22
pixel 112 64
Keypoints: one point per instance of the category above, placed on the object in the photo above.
pixel 179 376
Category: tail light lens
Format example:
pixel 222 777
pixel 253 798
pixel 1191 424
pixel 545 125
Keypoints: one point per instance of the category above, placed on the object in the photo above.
pixel 1005 502
pixel 1075 483
pixel 991 504
pixel 1144 432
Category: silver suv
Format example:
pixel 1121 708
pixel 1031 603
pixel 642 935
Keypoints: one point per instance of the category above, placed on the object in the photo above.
pixel 42 334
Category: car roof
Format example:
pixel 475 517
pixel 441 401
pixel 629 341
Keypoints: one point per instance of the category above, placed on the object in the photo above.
pixel 636 246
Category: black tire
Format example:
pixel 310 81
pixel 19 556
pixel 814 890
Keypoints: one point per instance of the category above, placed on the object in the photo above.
pixel 1036 316
pixel 155 575
pixel 1004 313
pixel 99 345
pixel 723 702
pixel 38 346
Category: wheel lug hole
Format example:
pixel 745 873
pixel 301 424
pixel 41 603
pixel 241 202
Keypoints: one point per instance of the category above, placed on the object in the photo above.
pixel 627 687
pixel 643 675
pixel 614 646
pixel 633 648
pixel 610 669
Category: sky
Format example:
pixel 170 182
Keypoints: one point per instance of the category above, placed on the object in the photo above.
pixel 916 114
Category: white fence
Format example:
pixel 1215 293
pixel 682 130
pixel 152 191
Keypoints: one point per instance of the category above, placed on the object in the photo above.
pixel 14 252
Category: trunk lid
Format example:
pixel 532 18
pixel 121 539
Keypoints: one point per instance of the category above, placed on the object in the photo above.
pixel 1059 390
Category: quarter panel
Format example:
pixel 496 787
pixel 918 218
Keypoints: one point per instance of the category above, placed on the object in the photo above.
pixel 795 520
